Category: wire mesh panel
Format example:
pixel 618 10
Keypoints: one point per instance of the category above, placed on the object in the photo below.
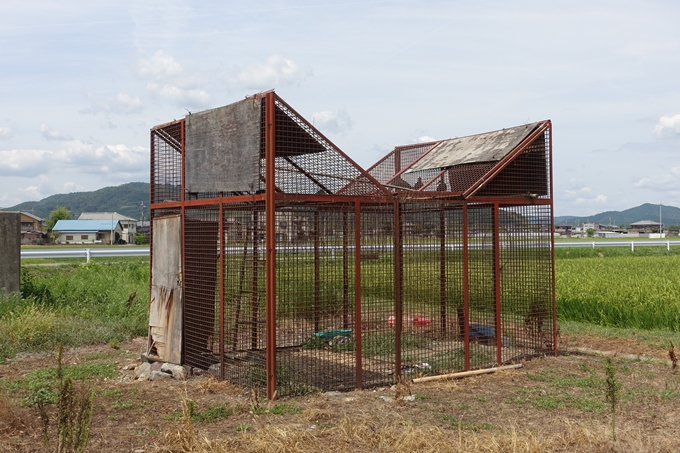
pixel 201 247
pixel 243 298
pixel 376 265
pixel 307 163
pixel 315 313
pixel 481 294
pixel 527 175
pixel 432 288
pixel 526 280
pixel 397 161
pixel 166 162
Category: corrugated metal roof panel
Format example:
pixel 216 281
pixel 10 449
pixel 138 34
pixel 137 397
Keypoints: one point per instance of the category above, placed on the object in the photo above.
pixel 488 147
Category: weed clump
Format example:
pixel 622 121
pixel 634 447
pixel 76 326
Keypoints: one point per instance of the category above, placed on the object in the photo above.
pixel 612 391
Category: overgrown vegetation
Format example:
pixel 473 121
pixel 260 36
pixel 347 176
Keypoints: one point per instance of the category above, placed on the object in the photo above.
pixel 74 305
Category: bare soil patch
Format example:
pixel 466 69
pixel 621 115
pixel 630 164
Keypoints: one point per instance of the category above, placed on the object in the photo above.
pixel 551 404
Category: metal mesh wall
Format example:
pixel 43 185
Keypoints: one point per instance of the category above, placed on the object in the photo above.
pixel 166 163
pixel 528 174
pixel 307 163
pixel 432 269
pixel 396 161
pixel 526 279
pixel 244 291
pixel 201 248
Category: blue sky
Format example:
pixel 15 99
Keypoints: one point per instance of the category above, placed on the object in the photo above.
pixel 81 83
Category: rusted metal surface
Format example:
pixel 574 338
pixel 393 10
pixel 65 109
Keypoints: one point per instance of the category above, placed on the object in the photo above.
pixel 325 276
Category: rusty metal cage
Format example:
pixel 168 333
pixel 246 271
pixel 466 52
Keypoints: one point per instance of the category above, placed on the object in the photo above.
pixel 476 245
pixel 280 264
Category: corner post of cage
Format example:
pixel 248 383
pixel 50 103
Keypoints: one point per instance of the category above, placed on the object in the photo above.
pixel 552 241
pixel 182 139
pixel 221 276
pixel 497 282
pixel 398 287
pixel 442 268
pixel 270 239
pixel 152 191
pixel 357 294
pixel 466 288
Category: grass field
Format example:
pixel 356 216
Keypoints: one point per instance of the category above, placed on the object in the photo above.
pixel 107 300
pixel 74 304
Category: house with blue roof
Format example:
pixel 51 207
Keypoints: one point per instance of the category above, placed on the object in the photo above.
pixel 88 231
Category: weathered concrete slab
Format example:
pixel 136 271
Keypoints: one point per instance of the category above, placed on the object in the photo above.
pixel 223 148
pixel 10 252
pixel 488 147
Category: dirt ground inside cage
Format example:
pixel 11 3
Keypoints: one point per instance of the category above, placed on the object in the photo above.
pixel 550 404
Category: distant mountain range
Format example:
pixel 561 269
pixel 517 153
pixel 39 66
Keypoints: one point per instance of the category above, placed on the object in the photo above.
pixel 670 215
pixel 125 199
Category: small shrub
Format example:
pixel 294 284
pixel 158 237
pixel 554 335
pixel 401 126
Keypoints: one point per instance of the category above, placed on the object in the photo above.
pixel 612 391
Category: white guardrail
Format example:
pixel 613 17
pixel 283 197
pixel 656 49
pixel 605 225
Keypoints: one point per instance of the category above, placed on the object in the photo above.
pixel 86 253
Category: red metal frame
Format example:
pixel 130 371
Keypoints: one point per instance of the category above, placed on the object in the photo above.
pixel 419 255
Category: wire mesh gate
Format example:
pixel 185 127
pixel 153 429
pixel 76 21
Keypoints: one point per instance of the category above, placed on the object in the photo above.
pixel 303 271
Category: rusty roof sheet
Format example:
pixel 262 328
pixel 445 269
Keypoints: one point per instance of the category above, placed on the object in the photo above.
pixel 488 147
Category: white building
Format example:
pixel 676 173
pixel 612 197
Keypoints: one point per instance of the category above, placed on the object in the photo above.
pixel 128 224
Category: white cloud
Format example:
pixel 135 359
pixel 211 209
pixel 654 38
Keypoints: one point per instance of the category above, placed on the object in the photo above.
pixel 121 104
pixel 52 134
pixel 327 121
pixel 577 195
pixel 29 193
pixel 426 139
pixel 74 155
pixel 5 132
pixel 195 97
pixel 169 81
pixel 668 181
pixel 668 124
pixel 71 186
pixel 159 67
pixel 277 71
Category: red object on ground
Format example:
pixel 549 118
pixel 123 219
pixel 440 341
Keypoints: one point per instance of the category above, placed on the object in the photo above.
pixel 390 321
pixel 421 322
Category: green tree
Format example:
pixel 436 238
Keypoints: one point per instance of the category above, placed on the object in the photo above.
pixel 590 232
pixel 61 213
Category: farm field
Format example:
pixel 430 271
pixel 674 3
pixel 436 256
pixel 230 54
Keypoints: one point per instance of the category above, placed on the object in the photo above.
pixel 611 303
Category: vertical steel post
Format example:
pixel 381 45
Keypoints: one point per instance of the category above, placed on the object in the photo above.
pixel 466 289
pixel 183 233
pixel 345 271
pixel 442 269
pixel 398 289
pixel 317 276
pixel 357 294
pixel 552 244
pixel 497 282
pixel 221 276
pixel 255 309
pixel 270 244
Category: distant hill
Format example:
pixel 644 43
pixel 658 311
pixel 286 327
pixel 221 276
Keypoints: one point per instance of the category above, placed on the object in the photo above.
pixel 670 215
pixel 124 199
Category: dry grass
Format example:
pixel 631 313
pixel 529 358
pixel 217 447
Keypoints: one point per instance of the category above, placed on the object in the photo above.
pixel 366 434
